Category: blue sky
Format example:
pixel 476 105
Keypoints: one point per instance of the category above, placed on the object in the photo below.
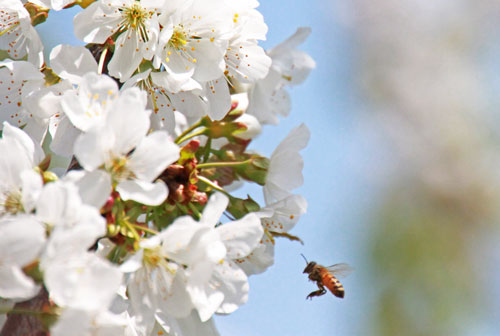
pixel 337 160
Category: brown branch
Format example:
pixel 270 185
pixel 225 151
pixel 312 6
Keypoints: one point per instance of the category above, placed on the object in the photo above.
pixel 27 324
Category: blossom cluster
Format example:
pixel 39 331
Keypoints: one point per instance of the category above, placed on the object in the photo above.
pixel 132 229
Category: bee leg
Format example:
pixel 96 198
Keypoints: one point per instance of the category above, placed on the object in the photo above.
pixel 319 292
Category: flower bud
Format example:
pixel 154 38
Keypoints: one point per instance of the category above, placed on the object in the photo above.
pixel 255 170
pixel 240 207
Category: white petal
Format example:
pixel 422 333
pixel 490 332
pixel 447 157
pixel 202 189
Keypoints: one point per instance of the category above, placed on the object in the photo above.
pixel 214 209
pixel 128 120
pixel 78 322
pixel 58 202
pixel 127 57
pixel 32 187
pixel 204 298
pixel 233 284
pixel 143 192
pixel 176 302
pixel 94 187
pixel 189 243
pixel 33 150
pixel 292 42
pixel 210 59
pixel 14 284
pixel 253 126
pixel 21 240
pixel 63 140
pixel 274 192
pixel 242 236
pixel 285 170
pixel 72 62
pixel 92 149
pixel 189 325
pixel 286 213
pixel 133 263
pixel 82 281
pixel 259 260
pixel 96 23
pixel 153 155
pixel 219 99
pixel 296 140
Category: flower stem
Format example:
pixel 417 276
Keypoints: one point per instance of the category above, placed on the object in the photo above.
pixel 115 254
pixel 194 210
pixel 222 164
pixel 208 147
pixel 212 184
pixel 189 136
pixel 182 207
pixel 145 229
pixel 189 130
pixel 132 229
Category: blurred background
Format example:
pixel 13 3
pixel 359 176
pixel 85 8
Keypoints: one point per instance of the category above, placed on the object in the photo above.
pixel 401 173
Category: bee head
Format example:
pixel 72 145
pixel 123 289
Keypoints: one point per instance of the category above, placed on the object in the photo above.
pixel 309 265
pixel 309 268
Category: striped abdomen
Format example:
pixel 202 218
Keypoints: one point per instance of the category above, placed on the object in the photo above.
pixel 331 282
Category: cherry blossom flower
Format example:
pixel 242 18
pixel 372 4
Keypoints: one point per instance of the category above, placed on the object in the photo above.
pixel 45 106
pixel 21 241
pixel 20 186
pixel 214 282
pixel 268 97
pixel 17 35
pixel 17 79
pixel 285 166
pixel 120 144
pixel 278 217
pixel 245 60
pixel 137 24
pixel 192 40
pixel 211 281
pixel 76 322
pixel 73 276
pixel 53 4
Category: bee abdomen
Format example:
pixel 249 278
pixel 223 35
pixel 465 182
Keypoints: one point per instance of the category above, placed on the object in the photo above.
pixel 333 284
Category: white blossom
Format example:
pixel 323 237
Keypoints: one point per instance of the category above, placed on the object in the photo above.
pixel 279 217
pixel 53 4
pixel 137 24
pixel 21 240
pixel 73 276
pixel 17 79
pixel 214 282
pixel 110 144
pixel 17 35
pixel 76 322
pixel 268 97
pixel 192 40
pixel 20 186
pixel 285 165
pixel 245 60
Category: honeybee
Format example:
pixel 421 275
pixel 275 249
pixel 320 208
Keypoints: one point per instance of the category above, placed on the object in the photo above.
pixel 324 277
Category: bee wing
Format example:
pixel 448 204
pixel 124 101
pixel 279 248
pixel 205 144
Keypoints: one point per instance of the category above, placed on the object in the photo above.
pixel 341 270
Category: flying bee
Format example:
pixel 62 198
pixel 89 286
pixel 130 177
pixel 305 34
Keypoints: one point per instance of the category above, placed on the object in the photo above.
pixel 324 277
